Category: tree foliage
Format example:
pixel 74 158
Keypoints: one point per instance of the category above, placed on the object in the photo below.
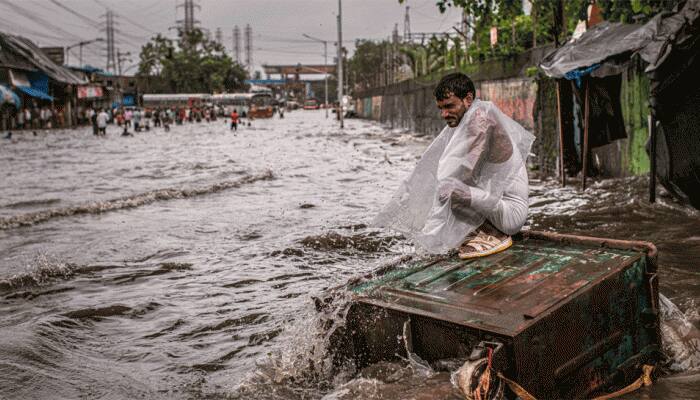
pixel 549 21
pixel 193 64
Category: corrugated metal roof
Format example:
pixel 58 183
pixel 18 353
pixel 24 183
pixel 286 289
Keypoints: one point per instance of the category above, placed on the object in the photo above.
pixel 24 50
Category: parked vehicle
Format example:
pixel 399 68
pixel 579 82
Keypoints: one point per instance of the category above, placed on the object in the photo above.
pixel 176 100
pixel 261 105
pixel 230 101
pixel 311 104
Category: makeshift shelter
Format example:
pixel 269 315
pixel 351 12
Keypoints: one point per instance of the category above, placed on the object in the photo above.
pixel 590 68
pixel 673 55
pixel 588 73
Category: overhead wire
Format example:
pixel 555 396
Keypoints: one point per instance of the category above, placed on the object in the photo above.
pixel 89 20
pixel 32 16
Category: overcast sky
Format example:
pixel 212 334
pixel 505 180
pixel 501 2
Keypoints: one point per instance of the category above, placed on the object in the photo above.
pixel 277 25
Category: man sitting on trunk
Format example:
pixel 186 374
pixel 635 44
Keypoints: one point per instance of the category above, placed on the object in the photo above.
pixel 469 191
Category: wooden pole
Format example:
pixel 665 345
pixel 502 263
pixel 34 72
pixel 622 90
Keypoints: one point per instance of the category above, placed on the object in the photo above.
pixel 562 170
pixel 586 116
pixel 652 145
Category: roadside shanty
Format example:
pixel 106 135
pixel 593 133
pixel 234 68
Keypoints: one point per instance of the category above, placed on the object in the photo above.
pixel 661 56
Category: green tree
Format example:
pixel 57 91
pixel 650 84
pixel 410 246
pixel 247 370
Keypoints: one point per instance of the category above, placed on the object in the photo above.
pixel 193 64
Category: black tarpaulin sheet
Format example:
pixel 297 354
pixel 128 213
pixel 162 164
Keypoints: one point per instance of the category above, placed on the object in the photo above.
pixel 674 72
pixel 605 116
pixel 598 44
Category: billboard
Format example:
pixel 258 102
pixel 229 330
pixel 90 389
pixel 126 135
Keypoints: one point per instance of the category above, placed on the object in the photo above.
pixel 89 91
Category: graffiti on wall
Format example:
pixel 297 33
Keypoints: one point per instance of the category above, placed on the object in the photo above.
pixel 376 107
pixel 515 97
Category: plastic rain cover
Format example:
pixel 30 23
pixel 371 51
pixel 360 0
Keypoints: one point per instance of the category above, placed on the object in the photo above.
pixel 459 179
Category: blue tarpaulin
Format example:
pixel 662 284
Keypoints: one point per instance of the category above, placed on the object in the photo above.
pixel 8 96
pixel 39 86
pixel 35 93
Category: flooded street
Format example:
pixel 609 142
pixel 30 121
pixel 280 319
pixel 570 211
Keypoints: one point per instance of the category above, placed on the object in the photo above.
pixel 182 264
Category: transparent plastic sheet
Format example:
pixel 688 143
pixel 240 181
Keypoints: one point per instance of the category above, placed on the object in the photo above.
pixel 459 179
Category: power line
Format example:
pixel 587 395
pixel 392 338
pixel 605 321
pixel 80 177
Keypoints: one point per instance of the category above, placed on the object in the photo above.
pixel 77 14
pixel 34 18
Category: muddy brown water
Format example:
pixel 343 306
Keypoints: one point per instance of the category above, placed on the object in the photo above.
pixel 182 265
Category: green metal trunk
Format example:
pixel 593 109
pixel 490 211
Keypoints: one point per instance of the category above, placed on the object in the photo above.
pixel 575 315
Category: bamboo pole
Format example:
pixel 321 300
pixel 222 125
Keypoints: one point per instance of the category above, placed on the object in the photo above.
pixel 586 117
pixel 562 170
pixel 652 145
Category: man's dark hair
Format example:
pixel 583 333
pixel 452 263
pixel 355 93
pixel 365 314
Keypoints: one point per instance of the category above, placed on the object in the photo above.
pixel 456 83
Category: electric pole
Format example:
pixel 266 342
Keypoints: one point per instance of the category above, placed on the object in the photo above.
pixel 325 64
pixel 121 57
pixel 237 44
pixel 249 48
pixel 340 63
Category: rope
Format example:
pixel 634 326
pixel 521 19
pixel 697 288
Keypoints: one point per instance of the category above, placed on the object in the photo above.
pixel 484 380
pixel 643 380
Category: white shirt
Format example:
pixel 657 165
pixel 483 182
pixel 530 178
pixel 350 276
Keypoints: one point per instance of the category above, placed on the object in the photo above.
pixel 102 119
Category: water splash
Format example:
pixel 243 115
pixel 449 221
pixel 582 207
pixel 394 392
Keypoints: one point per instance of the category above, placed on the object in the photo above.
pixel 681 338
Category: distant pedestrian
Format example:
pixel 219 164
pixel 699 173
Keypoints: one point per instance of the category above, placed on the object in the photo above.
pixel 93 121
pixel 167 117
pixel 157 117
pixel 136 120
pixel 128 115
pixel 27 118
pixel 20 119
pixel 234 120
pixel 102 119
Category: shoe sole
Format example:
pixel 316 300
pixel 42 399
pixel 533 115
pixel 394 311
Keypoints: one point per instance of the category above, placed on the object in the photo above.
pixel 503 246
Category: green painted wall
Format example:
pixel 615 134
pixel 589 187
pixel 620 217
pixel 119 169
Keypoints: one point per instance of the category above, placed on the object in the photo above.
pixel 635 109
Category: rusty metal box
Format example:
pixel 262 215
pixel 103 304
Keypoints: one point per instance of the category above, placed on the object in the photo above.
pixel 576 315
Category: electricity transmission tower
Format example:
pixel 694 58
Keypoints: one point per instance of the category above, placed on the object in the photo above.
pixel 237 44
pixel 407 26
pixel 111 53
pixel 219 36
pixel 249 48
pixel 188 23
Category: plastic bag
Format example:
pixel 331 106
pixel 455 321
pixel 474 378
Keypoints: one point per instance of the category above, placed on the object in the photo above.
pixel 459 179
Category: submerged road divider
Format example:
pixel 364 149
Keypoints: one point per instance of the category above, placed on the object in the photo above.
pixel 133 201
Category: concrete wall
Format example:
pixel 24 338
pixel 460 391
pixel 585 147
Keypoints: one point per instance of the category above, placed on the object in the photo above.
pixel 529 100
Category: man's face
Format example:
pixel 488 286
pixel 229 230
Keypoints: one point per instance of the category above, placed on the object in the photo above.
pixel 452 109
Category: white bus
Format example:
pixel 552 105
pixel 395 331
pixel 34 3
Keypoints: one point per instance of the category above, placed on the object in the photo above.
pixel 176 100
pixel 230 101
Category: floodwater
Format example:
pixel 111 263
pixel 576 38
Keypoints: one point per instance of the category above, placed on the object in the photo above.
pixel 182 265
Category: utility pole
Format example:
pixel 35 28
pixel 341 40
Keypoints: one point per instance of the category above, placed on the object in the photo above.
pixel 109 28
pixel 325 64
pixel 340 63
pixel 120 58
pixel 80 45
pixel 237 44
pixel 249 48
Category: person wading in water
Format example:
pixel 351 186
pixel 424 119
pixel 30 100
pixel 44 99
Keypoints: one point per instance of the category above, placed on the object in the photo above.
pixel 234 120
pixel 469 191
